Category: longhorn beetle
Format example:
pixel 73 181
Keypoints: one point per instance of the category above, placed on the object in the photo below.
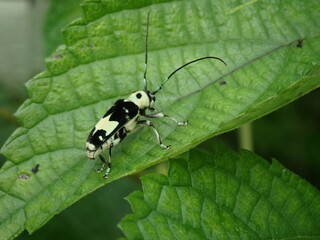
pixel 125 114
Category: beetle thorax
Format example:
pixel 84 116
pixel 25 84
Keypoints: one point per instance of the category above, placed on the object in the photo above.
pixel 140 98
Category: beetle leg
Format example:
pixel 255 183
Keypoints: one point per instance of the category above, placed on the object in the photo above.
pixel 150 124
pixel 103 160
pixel 153 109
pixel 162 115
pixel 106 175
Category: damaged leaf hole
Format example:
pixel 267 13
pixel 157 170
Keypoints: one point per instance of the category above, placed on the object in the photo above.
pixel 24 176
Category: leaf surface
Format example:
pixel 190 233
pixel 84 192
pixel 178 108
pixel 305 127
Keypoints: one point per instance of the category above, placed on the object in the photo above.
pixel 103 60
pixel 223 195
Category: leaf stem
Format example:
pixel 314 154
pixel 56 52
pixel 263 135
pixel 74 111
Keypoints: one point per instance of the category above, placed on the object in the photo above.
pixel 5 114
pixel 245 137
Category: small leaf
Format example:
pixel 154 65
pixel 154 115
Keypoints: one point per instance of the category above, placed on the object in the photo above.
pixel 224 196
pixel 103 60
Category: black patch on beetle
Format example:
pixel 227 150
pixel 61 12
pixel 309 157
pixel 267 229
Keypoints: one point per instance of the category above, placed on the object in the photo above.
pixel 120 115
pixel 122 133
pixel 90 135
pixel 111 110
pixel 97 136
pixel 138 95
pixel 121 112
pixel 142 112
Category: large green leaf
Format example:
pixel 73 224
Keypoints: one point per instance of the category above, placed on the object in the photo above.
pixel 60 13
pixel 95 216
pixel 103 60
pixel 224 196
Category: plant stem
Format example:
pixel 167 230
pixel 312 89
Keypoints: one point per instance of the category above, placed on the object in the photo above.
pixel 245 137
pixel 8 116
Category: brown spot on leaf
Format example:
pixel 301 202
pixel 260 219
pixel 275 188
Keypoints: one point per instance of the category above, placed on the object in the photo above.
pixel 300 43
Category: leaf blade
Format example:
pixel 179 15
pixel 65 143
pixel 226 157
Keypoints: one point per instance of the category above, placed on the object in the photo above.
pixel 229 196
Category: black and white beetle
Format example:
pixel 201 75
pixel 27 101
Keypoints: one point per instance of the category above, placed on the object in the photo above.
pixel 124 115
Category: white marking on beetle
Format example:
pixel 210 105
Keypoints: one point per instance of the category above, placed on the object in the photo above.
pixel 106 124
pixel 126 110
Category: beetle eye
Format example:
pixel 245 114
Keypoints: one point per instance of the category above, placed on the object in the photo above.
pixel 139 95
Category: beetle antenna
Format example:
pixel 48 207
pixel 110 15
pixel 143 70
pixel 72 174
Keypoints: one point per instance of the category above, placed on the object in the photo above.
pixel 146 54
pixel 184 65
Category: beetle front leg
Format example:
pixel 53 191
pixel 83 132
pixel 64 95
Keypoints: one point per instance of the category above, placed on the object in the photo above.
pixel 162 115
pixel 150 124
pixel 106 175
pixel 103 160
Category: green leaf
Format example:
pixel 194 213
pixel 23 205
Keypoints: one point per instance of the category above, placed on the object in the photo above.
pixel 60 13
pixel 95 216
pixel 224 196
pixel 103 60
